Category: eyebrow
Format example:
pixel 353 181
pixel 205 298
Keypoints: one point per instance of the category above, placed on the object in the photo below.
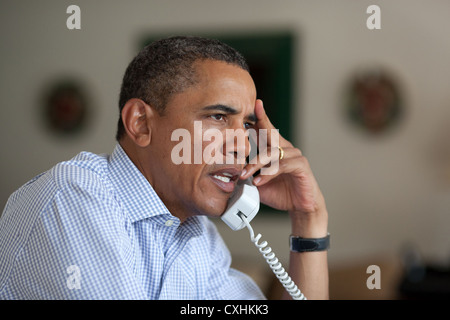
pixel 229 110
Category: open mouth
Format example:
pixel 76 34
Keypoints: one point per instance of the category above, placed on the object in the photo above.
pixel 226 179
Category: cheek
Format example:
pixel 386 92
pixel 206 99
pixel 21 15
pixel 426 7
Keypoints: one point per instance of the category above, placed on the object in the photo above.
pixel 213 148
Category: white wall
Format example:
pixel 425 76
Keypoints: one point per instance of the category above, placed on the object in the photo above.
pixel 381 192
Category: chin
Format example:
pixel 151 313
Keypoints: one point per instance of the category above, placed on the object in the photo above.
pixel 211 201
pixel 215 207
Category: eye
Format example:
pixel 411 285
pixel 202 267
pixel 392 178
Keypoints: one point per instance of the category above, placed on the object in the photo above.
pixel 218 117
pixel 248 125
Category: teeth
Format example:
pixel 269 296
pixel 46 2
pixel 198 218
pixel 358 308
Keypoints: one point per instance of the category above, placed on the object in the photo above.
pixel 221 178
pixel 226 174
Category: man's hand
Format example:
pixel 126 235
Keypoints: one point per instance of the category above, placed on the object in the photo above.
pixel 293 187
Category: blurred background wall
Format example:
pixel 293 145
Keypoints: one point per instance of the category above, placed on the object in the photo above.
pixel 382 191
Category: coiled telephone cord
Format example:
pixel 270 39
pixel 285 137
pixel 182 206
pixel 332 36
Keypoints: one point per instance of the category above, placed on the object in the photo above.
pixel 274 263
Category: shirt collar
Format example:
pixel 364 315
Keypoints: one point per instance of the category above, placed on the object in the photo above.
pixel 140 199
pixel 138 196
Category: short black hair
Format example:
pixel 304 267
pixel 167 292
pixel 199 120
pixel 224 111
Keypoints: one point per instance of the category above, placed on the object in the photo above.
pixel 165 67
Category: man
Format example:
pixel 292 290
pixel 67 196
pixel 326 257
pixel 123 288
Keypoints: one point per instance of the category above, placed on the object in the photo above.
pixel 134 225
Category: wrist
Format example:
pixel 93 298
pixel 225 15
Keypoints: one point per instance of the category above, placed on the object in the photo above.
pixel 299 244
pixel 311 225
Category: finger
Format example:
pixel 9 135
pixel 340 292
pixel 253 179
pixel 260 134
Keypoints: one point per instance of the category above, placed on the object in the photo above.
pixel 272 135
pixel 286 166
pixel 263 121
pixel 258 162
pixel 269 161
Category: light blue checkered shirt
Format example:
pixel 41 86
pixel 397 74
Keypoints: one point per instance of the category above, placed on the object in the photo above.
pixel 94 228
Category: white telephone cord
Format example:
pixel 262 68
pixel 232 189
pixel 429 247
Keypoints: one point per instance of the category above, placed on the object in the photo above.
pixel 274 263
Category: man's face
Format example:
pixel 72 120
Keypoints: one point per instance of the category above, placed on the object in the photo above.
pixel 223 99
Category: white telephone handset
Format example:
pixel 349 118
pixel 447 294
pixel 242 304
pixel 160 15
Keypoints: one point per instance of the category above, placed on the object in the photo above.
pixel 245 200
pixel 242 208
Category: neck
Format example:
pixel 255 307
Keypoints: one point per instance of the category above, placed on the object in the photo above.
pixel 140 157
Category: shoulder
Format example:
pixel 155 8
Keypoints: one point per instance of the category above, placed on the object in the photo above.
pixel 68 213
pixel 84 190
pixel 84 169
pixel 73 193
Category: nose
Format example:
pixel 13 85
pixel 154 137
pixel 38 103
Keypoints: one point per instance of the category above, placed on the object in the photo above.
pixel 237 146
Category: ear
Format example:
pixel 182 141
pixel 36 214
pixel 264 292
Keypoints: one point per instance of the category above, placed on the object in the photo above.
pixel 137 119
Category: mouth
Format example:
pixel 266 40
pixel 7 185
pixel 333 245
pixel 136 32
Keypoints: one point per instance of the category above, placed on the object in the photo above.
pixel 226 179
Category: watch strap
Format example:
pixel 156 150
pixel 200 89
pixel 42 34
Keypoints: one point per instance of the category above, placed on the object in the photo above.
pixel 299 244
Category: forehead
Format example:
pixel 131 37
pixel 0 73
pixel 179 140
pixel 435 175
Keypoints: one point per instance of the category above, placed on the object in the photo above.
pixel 219 70
pixel 217 83
pixel 224 81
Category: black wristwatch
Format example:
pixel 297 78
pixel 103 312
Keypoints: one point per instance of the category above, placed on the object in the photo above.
pixel 298 244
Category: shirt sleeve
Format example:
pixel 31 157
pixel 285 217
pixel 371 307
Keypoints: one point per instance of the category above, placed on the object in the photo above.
pixel 75 249
pixel 225 282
